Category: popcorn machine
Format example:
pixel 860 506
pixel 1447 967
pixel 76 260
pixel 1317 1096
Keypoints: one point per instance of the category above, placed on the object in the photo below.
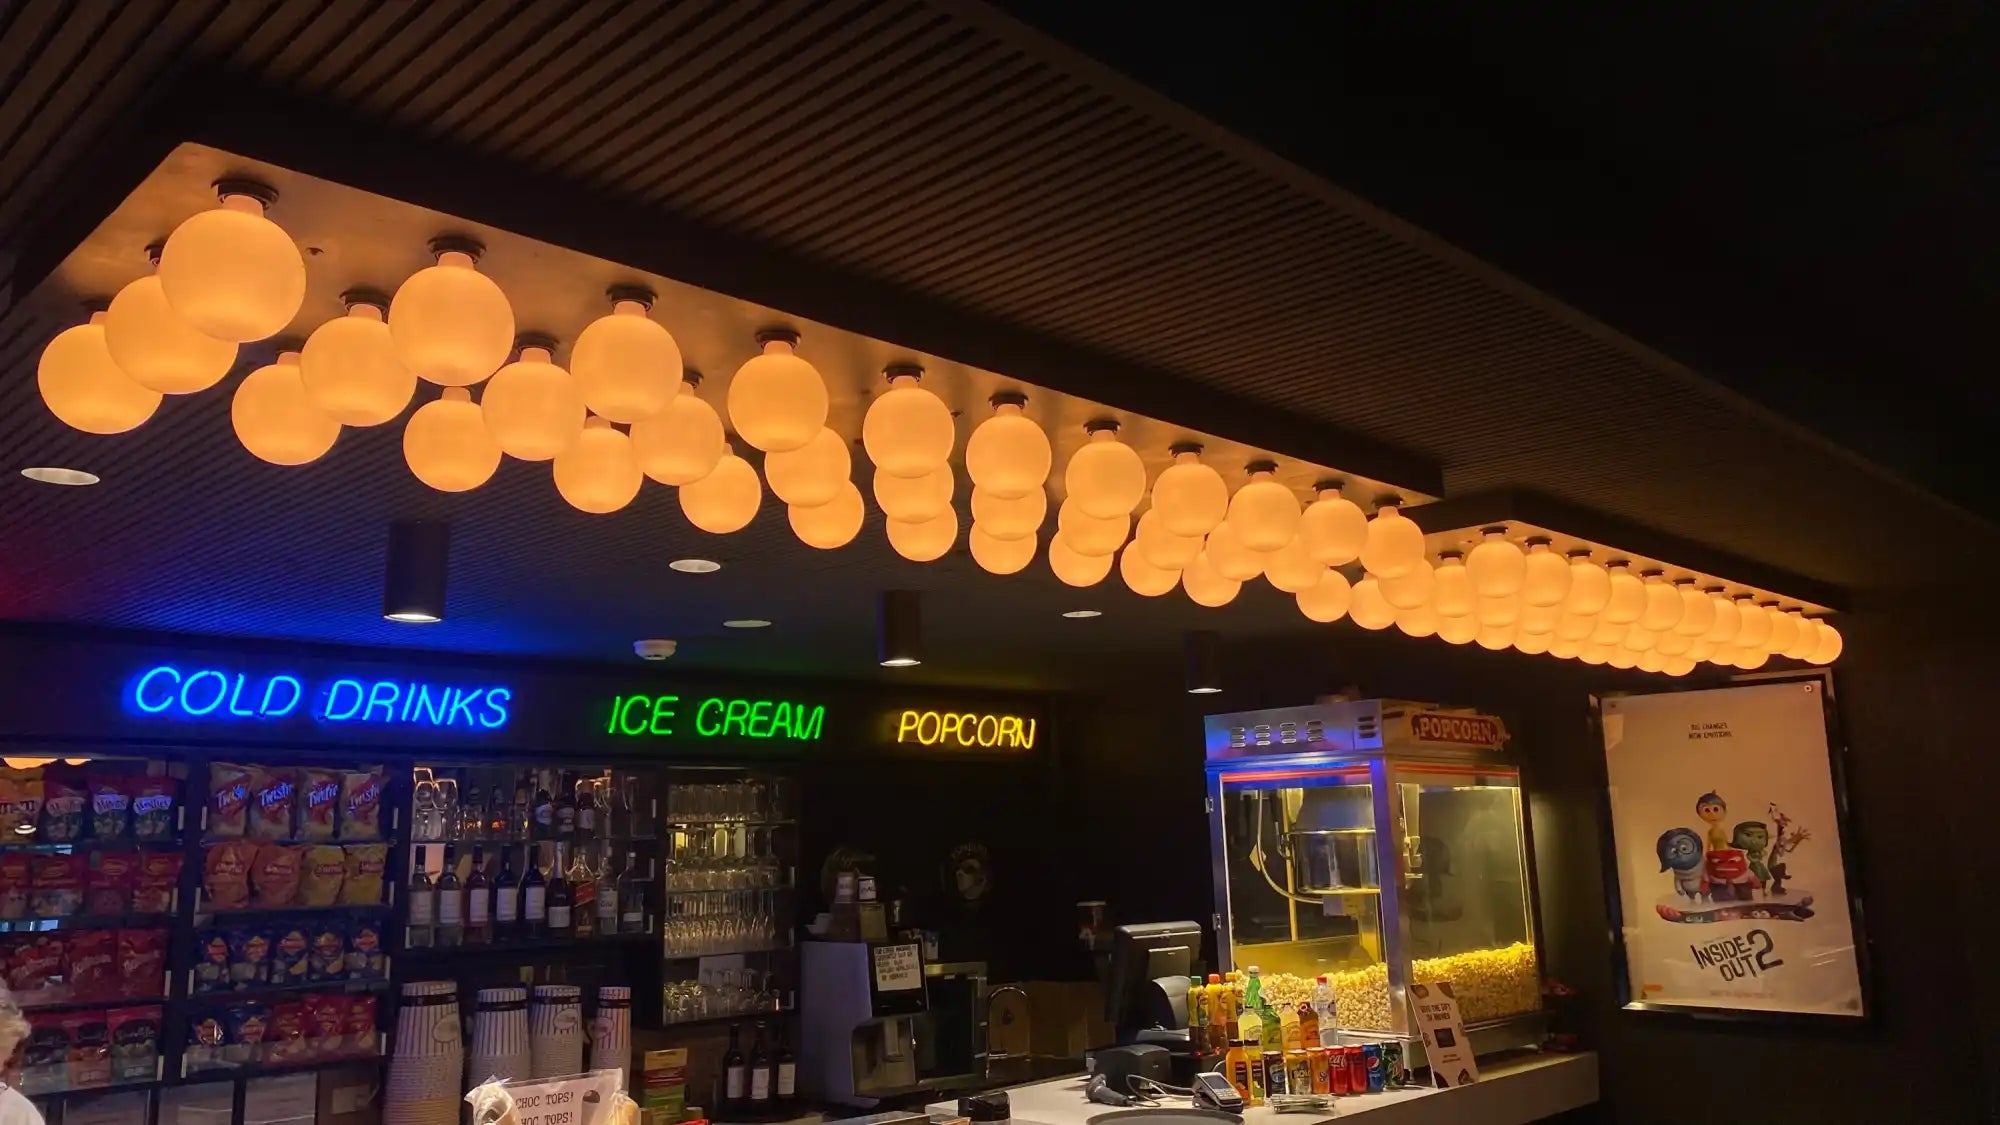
pixel 1380 843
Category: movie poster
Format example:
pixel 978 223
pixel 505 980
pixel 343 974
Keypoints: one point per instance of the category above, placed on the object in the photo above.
pixel 1728 845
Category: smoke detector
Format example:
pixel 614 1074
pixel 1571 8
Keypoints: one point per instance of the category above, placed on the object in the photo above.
pixel 654 648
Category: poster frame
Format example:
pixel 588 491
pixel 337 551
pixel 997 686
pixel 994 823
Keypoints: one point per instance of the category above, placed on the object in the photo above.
pixel 1837 751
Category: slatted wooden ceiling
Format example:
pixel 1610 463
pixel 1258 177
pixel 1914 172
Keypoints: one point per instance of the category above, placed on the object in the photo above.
pixel 943 150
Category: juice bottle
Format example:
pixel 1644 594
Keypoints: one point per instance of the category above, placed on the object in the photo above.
pixel 1250 1020
pixel 1219 1015
pixel 1308 1025
pixel 1274 1029
pixel 1197 1016
pixel 1236 1068
pixel 1288 1023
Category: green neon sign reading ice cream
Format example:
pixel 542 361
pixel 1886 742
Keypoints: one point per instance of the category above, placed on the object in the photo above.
pixel 715 717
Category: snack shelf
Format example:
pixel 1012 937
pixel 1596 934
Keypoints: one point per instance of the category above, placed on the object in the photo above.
pixel 538 945
pixel 91 844
pixel 293 841
pixel 213 917
pixel 86 922
pixel 240 1071
pixel 127 1084
pixel 281 991
pixel 93 1005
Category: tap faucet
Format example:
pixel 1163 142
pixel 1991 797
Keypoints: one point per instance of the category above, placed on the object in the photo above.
pixel 991 996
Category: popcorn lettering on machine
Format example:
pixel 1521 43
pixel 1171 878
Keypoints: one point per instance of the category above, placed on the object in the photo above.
pixel 1379 843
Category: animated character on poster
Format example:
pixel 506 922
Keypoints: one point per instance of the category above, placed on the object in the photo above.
pixel 1739 866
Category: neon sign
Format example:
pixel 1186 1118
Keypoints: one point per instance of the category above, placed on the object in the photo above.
pixel 966 728
pixel 716 717
pixel 216 694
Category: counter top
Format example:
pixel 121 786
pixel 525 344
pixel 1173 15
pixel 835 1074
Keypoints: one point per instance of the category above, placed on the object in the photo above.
pixel 1509 1092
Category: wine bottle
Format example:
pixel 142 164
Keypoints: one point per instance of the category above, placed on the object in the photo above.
pixel 534 898
pixel 586 808
pixel 607 895
pixel 565 806
pixel 450 901
pixel 582 892
pixel 632 897
pixel 788 1072
pixel 478 901
pixel 521 823
pixel 507 901
pixel 422 897
pixel 733 1073
pixel 560 902
pixel 760 1074
pixel 545 811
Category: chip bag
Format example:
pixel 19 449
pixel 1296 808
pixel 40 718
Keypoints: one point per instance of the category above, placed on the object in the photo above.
pixel 323 871
pixel 271 790
pixel 154 884
pixel 318 803
pixel 110 807
pixel 228 801
pixel 153 800
pixel 275 875
pixel 93 965
pixel 63 817
pixel 108 886
pixel 361 804
pixel 363 884
pixel 226 874
pixel 58 885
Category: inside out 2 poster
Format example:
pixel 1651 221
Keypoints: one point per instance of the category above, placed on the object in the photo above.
pixel 1730 877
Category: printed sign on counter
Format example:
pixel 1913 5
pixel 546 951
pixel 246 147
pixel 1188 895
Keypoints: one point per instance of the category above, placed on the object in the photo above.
pixel 1445 1047
pixel 577 1099
pixel 898 968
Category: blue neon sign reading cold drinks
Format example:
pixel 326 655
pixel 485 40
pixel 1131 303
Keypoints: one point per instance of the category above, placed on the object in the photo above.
pixel 217 694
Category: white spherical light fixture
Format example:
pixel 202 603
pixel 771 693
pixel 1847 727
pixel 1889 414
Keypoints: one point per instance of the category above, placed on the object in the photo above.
pixel 275 420
pixel 231 273
pixel 1008 455
pixel 924 540
pixel 1672 644
pixel 1593 653
pixel 1292 569
pixel 908 430
pixel 1142 577
pixel 1609 633
pixel 1417 621
pixel 451 324
pixel 1727 621
pixel 1700 651
pixel 597 472
pixel 1755 627
pixel 1104 476
pixel 1333 527
pixel 1086 534
pixel 533 408
pixel 1163 548
pixel 81 385
pixel 1495 638
pixel 446 443
pixel 682 443
pixel 1013 517
pixel 1751 659
pixel 1204 586
pixel 1784 629
pixel 1539 620
pixel 1573 627
pixel 914 499
pixel 1493 612
pixel 813 473
pixel 832 524
pixel 1327 599
pixel 1412 588
pixel 1724 656
pixel 726 499
pixel 1589 586
pixel 1264 512
pixel 1697 610
pixel 350 365
pixel 1545 575
pixel 627 365
pixel 1458 630
pixel 1628 595
pixel 1451 587
pixel 1622 658
pixel 1805 637
pixel 1189 497
pixel 1533 644
pixel 1075 569
pixel 1497 566
pixel 1231 559
pixel 1369 609
pixel 150 342
pixel 777 401
pixel 1638 638
pixel 1001 556
pixel 1828 649
pixel 1663 604
pixel 1677 665
pixel 1651 661
pixel 1395 543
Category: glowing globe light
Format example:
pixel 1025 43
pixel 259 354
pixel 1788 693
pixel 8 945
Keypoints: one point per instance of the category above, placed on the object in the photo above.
pixel 1565 648
pixel 1727 619
pixel 1412 588
pixel 275 420
pixel 1086 534
pixel 1622 658
pixel 1755 627
pixel 1015 517
pixel 726 499
pixel 1627 602
pixel 1494 612
pixel 1417 621
pixel 1663 604
pixel 1458 630
pixel 451 324
pixel 1395 544
pixel 1783 630
pixel 1497 566
pixel 834 523
pixel 1651 661
pixel 1368 608
pixel 1074 569
pixel 1594 653
pixel 1333 527
pixel 812 474
pixel 1163 548
pixel 1539 620
pixel 1008 455
pixel 1451 587
pixel 1805 639
pixel 924 540
pixel 1533 644
pixel 1189 498
pixel 1609 633
pixel 1292 569
pixel 627 365
pixel 1724 655
pixel 1142 577
pixel 1751 659
pixel 1697 610
pixel 1231 559
pixel 597 472
pixel 231 273
pixel 1328 598
pixel 1545 576
pixel 1001 556
pixel 1264 512
pixel 534 409
pixel 351 369
pixel 682 443
pixel 86 390
pixel 1672 644
pixel 908 430
pixel 1638 638
pixel 155 348
pixel 1495 638
pixel 1677 665
pixel 1105 477
pixel 777 401
pixel 1589 586
pixel 446 443
pixel 1204 586
pixel 1830 644
pixel 1573 627
pixel 914 499
pixel 1700 651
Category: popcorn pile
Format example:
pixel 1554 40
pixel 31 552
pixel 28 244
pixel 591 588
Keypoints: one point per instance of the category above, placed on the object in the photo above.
pixel 1489 983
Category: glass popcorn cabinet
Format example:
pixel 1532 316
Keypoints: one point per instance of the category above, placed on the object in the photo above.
pixel 1379 843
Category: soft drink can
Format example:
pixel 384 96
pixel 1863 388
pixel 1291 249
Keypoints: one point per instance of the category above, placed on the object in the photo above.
pixel 1371 1055
pixel 1301 1081
pixel 1357 1069
pixel 1392 1066
pixel 1336 1067
pixel 1275 1074
pixel 1322 1079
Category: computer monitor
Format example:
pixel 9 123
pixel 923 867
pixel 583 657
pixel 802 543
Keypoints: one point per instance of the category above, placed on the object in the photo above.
pixel 1140 955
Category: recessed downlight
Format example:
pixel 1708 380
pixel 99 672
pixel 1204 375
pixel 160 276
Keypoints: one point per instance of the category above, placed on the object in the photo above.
pixel 746 623
pixel 694 566
pixel 56 474
pixel 1082 613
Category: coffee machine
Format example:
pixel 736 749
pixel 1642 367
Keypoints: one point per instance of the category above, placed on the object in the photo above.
pixel 863 1031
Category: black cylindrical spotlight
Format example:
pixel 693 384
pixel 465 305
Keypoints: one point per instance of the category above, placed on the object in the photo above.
pixel 414 575
pixel 899 641
pixel 1204 662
